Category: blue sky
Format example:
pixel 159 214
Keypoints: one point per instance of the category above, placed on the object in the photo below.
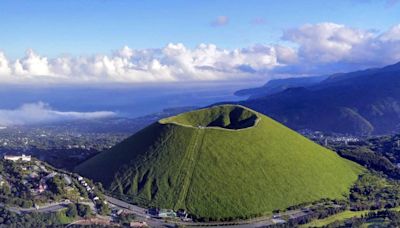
pixel 190 52
pixel 121 41
pixel 99 26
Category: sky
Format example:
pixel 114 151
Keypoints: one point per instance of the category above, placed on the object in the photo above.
pixel 121 41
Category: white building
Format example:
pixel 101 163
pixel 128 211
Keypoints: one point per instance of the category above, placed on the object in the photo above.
pixel 23 157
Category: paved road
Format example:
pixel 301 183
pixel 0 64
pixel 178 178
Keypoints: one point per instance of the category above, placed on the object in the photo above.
pixel 43 209
pixel 51 208
pixel 153 222
pixel 140 212
pixel 135 209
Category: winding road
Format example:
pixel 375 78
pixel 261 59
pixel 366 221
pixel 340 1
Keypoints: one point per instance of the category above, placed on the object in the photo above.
pixel 53 207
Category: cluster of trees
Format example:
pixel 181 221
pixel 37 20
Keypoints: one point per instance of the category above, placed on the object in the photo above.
pixel 10 219
pixel 81 210
pixel 125 219
pixel 102 208
pixel 388 219
pixel 14 191
pixel 372 160
pixel 379 154
pixel 25 203
pixel 373 191
pixel 388 146
pixel 56 185
pixel 318 211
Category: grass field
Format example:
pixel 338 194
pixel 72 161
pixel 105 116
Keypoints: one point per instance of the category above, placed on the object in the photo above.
pixel 222 162
pixel 338 217
pixel 347 215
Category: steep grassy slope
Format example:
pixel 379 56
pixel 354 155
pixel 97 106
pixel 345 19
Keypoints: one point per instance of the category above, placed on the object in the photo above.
pixel 225 161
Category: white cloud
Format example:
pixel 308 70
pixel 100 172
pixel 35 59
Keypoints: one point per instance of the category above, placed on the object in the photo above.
pixel 4 65
pixel 286 55
pixel 326 42
pixel 310 49
pixel 34 113
pixel 34 64
pixel 393 35
pixel 174 62
pixel 328 47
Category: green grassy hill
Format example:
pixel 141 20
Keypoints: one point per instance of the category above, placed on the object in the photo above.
pixel 221 162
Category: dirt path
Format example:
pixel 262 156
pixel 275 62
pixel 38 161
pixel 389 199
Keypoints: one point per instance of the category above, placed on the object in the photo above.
pixel 191 160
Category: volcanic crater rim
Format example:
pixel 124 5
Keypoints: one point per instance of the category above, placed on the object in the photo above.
pixel 229 117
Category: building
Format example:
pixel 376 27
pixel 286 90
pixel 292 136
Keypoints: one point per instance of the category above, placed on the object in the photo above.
pixel 13 158
pixel 41 188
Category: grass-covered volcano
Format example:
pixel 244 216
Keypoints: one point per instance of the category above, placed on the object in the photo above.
pixel 220 162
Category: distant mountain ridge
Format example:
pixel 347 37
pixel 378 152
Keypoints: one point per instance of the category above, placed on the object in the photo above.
pixel 361 103
pixel 279 85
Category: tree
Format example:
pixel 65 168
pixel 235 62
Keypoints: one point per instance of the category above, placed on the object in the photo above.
pixel 125 219
pixel 72 212
pixel 5 190
pixel 103 208
pixel 84 210
pixel 27 204
pixel 56 185
pixel 100 187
